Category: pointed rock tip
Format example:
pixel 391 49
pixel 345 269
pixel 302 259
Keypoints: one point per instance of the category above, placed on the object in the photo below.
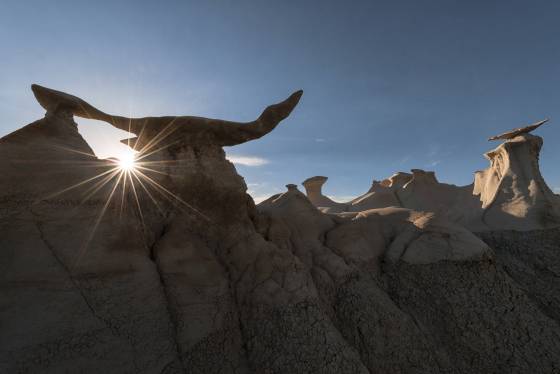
pixel 521 130
pixel 293 100
pixel 53 100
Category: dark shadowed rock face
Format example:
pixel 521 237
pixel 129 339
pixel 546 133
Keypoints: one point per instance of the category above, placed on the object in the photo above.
pixel 531 259
pixel 204 281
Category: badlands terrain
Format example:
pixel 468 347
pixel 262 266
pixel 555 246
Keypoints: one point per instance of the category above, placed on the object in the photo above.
pixel 170 267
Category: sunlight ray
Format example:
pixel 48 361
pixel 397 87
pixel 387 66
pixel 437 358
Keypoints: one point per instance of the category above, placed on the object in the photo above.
pixel 84 247
pixel 80 184
pixel 99 185
pixel 154 183
pixel 73 150
pixel 159 137
pixel 126 172
pixel 151 170
pixel 138 206
pixel 149 194
pixel 143 155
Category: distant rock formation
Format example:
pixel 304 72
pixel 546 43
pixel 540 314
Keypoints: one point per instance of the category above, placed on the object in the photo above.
pixel 313 188
pixel 397 180
pixel 510 195
pixel 516 132
pixel 425 193
pixel 380 195
pixel 418 190
pixel 512 190
pixel 292 187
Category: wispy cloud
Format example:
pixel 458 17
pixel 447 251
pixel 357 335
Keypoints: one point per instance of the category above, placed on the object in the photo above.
pixel 404 160
pixel 434 163
pixel 434 150
pixel 320 140
pixel 247 160
pixel 557 190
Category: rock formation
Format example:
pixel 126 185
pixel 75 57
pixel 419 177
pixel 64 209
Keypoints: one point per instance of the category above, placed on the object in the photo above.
pixel 397 180
pixel 512 190
pixel 418 190
pixel 516 132
pixel 380 195
pixel 415 293
pixel 183 129
pixel 177 271
pixel 313 187
pixel 424 193
pixel 510 195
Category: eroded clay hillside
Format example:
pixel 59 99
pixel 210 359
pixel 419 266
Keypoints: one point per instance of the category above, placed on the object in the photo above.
pixel 171 268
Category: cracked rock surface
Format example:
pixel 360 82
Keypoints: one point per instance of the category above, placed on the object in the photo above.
pixel 207 282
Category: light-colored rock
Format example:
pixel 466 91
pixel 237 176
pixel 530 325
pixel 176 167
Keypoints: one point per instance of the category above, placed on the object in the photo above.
pixel 424 193
pixel 509 195
pixel 378 196
pixel 431 240
pixel 512 190
pixel 313 189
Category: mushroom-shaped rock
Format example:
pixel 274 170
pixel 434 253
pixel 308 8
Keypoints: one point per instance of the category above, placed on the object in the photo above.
pixel 183 129
pixel 292 187
pixel 313 187
pixel 515 132
pixel 512 190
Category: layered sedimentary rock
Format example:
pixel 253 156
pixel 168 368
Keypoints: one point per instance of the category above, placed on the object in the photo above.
pixel 179 272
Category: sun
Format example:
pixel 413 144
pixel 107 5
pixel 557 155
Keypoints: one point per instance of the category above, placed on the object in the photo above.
pixel 127 161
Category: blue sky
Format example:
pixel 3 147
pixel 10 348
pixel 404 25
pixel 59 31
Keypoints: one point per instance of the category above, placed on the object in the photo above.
pixel 388 85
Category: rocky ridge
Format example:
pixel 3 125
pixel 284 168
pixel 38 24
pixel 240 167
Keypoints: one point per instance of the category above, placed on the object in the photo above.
pixel 184 274
pixel 510 194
